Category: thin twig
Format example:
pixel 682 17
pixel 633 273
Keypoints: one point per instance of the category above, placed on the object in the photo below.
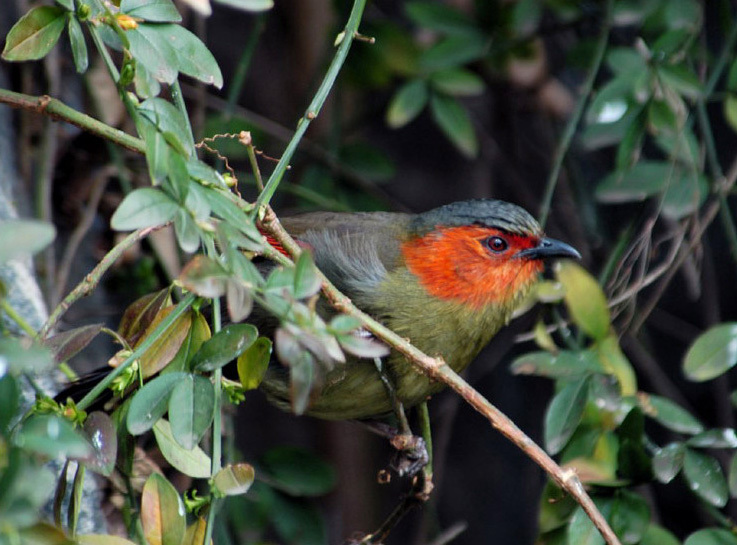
pixel 99 183
pixel 91 280
pixel 570 130
pixel 437 369
pixel 313 110
pixel 56 109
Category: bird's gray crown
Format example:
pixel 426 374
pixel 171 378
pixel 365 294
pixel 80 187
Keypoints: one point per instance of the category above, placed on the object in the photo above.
pixel 487 212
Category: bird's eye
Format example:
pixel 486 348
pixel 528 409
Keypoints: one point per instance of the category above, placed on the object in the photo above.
pixel 496 244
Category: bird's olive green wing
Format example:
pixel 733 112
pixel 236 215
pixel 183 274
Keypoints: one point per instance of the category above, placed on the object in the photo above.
pixel 355 251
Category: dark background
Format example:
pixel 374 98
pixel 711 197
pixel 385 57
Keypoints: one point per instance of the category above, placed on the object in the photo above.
pixel 482 481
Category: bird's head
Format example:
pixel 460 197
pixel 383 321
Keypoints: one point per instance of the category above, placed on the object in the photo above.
pixel 480 252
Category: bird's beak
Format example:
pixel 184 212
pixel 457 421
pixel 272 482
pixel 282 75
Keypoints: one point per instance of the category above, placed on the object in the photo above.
pixel 548 248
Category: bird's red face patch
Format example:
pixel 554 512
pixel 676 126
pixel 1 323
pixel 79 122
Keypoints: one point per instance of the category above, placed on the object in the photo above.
pixel 474 265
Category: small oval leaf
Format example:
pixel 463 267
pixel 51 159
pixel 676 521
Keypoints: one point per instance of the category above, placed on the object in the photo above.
pixel 713 353
pixel 150 403
pixel 143 207
pixel 191 406
pixel 564 414
pixel 225 346
pixel 234 479
pixel 162 512
pixel 705 477
pixel 194 463
pixel 253 362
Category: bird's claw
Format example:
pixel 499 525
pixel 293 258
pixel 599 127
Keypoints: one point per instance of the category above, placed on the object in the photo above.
pixel 411 454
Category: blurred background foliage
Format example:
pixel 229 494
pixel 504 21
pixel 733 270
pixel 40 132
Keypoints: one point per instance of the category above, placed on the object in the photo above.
pixel 612 121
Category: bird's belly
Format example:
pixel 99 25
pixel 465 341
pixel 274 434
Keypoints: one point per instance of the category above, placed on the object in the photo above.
pixel 356 391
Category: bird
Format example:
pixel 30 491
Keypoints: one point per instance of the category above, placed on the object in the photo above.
pixel 447 280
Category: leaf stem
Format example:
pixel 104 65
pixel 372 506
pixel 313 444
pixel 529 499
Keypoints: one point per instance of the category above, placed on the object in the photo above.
pixel 313 110
pixel 570 130
pixel 17 318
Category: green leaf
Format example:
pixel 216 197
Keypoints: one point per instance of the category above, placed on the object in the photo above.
pixel 52 436
pixel 731 476
pixel 224 346
pixel 363 347
pixel 455 51
pixel 611 102
pixel 100 431
pixel 717 438
pixel 248 5
pixel 239 300
pixel 143 207
pixel 194 463
pixel 629 148
pixel 454 121
pixel 584 299
pixel 457 82
pixel 150 403
pixel 24 355
pixel 565 363
pixel 154 11
pixel 162 512
pixel 156 56
pixel 67 4
pixel 630 517
pixel 187 232
pixel 564 414
pixel 79 46
pixel 730 111
pixel 407 103
pixel 170 122
pixel 205 277
pixel 190 55
pixel 657 535
pixel 33 36
pixel 298 472
pixel 198 333
pixel 342 323
pixel 705 477
pixel 712 354
pixel 682 79
pixel 166 346
pixel 253 362
pixel 306 280
pixel 9 399
pixel 581 531
pixel 191 407
pixel 626 62
pixel 684 189
pixel 671 415
pixel 526 16
pixel 668 461
pixel 102 539
pixel 23 238
pixel 440 17
pixel 178 176
pixel 235 479
pixel 711 536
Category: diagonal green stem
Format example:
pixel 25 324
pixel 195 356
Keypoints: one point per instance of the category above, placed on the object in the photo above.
pixel 570 130
pixel 313 110
pixel 160 330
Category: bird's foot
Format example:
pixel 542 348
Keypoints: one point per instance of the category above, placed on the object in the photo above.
pixel 411 454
